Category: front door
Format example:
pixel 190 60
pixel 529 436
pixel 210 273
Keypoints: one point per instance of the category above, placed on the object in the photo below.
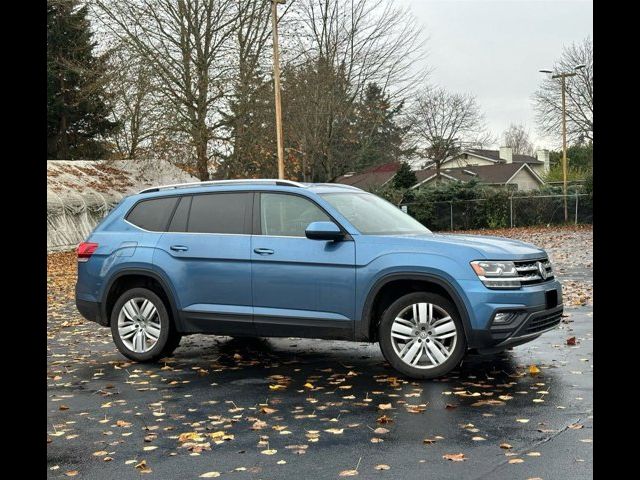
pixel 206 253
pixel 301 287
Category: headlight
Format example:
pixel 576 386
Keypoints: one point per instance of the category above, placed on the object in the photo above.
pixel 496 274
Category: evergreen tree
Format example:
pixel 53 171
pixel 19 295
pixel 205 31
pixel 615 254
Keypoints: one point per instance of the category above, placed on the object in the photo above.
pixel 404 177
pixel 77 105
pixel 379 135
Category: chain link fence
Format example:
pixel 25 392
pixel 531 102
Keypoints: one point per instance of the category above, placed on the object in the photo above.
pixel 517 211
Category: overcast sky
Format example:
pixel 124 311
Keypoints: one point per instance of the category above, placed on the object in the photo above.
pixel 494 49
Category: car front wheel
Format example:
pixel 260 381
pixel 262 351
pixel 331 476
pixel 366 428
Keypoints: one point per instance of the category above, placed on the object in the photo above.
pixel 421 335
pixel 141 327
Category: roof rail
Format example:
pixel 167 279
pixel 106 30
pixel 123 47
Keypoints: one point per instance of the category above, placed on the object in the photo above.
pixel 339 185
pixel 249 181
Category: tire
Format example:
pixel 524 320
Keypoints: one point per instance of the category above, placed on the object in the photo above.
pixel 435 353
pixel 124 321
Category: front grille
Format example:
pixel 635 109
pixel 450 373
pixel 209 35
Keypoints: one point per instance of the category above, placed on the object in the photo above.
pixel 538 324
pixel 529 271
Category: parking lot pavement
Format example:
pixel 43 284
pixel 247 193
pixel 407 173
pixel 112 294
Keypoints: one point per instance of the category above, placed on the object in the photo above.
pixel 292 408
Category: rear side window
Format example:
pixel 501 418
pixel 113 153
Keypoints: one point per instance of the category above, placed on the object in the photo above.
pixel 152 215
pixel 181 216
pixel 219 213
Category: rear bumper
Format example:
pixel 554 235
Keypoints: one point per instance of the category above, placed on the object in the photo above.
pixel 90 311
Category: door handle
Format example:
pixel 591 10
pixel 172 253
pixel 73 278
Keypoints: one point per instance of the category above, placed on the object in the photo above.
pixel 263 251
pixel 179 248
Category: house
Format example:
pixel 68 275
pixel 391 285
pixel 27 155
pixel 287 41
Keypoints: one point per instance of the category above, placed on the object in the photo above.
pixel 371 178
pixel 488 167
pixel 478 157
pixel 520 176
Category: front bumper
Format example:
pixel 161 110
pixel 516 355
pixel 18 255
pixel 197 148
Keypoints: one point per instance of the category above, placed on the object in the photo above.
pixel 537 309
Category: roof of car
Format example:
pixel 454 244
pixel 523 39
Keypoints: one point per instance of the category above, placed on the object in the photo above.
pixel 261 184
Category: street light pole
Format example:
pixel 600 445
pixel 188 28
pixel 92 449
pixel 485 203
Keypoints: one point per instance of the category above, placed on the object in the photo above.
pixel 276 86
pixel 563 83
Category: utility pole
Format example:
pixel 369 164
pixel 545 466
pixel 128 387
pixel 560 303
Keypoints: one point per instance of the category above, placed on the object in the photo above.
pixel 276 85
pixel 563 83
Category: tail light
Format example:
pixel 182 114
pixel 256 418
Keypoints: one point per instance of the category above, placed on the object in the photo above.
pixel 85 250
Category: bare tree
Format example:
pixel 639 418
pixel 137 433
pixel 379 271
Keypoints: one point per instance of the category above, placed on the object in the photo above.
pixel 136 105
pixel 342 46
pixel 517 137
pixel 443 121
pixel 579 92
pixel 185 43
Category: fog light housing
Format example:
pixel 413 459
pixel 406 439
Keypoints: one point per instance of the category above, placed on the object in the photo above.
pixel 502 317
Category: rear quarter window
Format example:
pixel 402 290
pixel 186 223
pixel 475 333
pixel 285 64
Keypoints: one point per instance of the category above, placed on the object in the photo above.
pixel 153 214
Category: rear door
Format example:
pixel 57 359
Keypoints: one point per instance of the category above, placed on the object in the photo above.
pixel 206 254
pixel 301 287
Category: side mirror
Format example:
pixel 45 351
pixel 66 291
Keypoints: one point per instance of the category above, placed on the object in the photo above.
pixel 323 231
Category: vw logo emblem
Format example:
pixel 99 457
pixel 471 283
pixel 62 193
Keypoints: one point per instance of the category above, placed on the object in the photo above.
pixel 542 270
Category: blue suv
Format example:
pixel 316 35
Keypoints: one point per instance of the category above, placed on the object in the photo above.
pixel 276 258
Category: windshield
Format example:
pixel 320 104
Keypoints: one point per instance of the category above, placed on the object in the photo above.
pixel 372 215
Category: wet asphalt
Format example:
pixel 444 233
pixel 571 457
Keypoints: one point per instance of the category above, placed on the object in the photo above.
pixel 104 412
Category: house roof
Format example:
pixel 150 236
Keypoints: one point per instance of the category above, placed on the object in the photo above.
pixel 495 156
pixel 499 173
pixel 371 177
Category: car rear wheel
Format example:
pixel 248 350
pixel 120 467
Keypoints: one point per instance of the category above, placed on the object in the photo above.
pixel 141 327
pixel 421 335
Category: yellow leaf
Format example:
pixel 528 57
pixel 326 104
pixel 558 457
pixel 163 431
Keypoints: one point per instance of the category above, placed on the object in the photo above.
pixel 533 370
pixel 385 406
pixel 210 475
pixel 71 473
pixel 349 473
pixel 336 431
pixel 308 385
pixel 454 457
pixel 277 386
pixel 269 452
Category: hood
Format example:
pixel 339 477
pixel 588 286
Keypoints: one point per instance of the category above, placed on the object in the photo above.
pixel 470 247
pixel 495 248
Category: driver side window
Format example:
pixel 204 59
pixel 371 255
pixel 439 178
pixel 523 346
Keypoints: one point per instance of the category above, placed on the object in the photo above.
pixel 288 215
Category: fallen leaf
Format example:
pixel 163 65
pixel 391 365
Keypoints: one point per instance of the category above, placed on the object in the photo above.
pixel 382 466
pixel 576 426
pixel 571 341
pixel 534 454
pixel 377 440
pixel 506 446
pixel 385 406
pixel 478 439
pixel 381 431
pixel 122 423
pixel 268 410
pixel 348 473
pixel 335 431
pixel 454 457
pixel 100 453
pixel 384 419
pixel 308 385
pixel 522 420
pixel 516 460
pixel 71 473
pixel 210 475
pixel 533 370
pixel 269 452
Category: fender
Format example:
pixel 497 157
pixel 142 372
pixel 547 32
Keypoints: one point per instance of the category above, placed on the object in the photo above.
pixel 166 285
pixel 362 326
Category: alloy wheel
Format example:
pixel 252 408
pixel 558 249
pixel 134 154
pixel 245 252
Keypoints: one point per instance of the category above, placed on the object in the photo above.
pixel 139 325
pixel 424 335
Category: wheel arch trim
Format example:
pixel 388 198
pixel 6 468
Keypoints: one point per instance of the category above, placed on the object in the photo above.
pixel 362 327
pixel 164 283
